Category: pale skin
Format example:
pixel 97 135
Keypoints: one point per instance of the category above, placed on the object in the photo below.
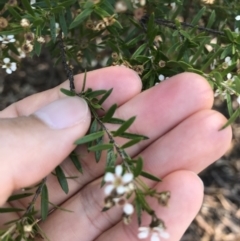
pixel 184 138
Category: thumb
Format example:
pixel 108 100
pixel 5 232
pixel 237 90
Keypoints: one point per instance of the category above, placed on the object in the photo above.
pixel 31 147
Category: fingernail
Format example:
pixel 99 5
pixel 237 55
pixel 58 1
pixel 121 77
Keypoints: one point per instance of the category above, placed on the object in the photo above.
pixel 64 113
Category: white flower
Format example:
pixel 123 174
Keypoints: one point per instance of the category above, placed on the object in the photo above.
pixel 161 77
pixel 229 76
pixel 117 181
pixel 237 17
pixel 128 208
pixel 25 23
pixel 9 66
pixel 228 60
pixel 7 39
pixel 120 6
pixel 156 233
pixel 33 2
pixel 173 5
pixel 236 30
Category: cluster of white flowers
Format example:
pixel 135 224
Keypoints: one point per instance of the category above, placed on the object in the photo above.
pixel 119 185
pixel 155 233
pixel 161 77
pixel 140 2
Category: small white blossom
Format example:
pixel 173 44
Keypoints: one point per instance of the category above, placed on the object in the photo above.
pixel 173 5
pixel 120 6
pixel 9 66
pixel 5 39
pixel 156 233
pixel 25 23
pixel 161 77
pixel 128 208
pixel 236 30
pixel 228 60
pixel 237 17
pixel 117 181
pixel 33 2
pixel 229 76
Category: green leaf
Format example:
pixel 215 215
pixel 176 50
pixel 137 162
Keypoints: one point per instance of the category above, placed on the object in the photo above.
pixel 14 13
pixel 10 210
pixel 99 152
pixel 139 165
pixel 89 138
pixel 44 202
pixel 101 147
pixel 74 158
pixel 211 19
pixel 150 176
pixel 63 23
pixel 229 34
pixel 68 92
pixel 139 51
pixel 110 113
pixel 111 158
pixel 53 28
pixel 12 31
pixel 105 96
pixel 101 12
pixel 37 48
pixel 198 16
pixel 81 17
pixel 19 196
pixel 115 121
pixel 28 7
pixel 138 207
pixel 95 93
pixel 237 84
pixel 210 59
pixel 132 136
pixel 131 143
pixel 124 126
pixel 231 119
pixel 62 179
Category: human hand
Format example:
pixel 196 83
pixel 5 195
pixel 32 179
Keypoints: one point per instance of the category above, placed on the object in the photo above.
pixel 184 138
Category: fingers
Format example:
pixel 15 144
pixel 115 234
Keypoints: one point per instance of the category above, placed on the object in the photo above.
pixel 31 147
pixel 87 222
pixel 125 83
pixel 192 145
pixel 186 199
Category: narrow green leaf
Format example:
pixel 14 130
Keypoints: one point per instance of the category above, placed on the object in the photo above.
pixel 229 34
pixel 139 51
pixel 12 31
pixel 111 158
pixel 44 202
pixel 19 196
pixel 139 165
pixel 210 59
pixel 37 48
pixel 99 152
pixel 68 92
pixel 150 176
pixel 105 96
pixel 62 179
pixel 110 113
pixel 53 28
pixel 74 158
pixel 231 119
pixel 138 207
pixel 211 19
pixel 89 138
pixel 14 13
pixel 237 84
pixel 116 121
pixel 132 136
pixel 198 16
pixel 101 12
pixel 28 7
pixel 124 126
pixel 48 3
pixel 63 23
pixel 95 93
pixel 81 17
pixel 131 143
pixel 10 210
pixel 101 147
